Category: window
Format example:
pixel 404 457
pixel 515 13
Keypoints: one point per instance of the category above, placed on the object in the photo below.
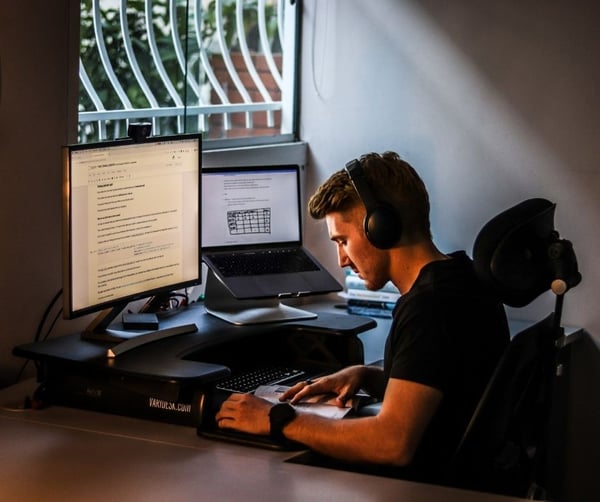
pixel 226 68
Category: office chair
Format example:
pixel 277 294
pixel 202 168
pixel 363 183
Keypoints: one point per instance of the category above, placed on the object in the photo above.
pixel 519 255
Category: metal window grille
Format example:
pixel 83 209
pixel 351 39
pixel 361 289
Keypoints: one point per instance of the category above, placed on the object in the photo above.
pixel 222 67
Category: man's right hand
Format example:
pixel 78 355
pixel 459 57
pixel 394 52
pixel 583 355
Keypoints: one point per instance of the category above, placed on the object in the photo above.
pixel 344 384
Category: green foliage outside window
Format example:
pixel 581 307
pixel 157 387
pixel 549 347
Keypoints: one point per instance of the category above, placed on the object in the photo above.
pixel 136 22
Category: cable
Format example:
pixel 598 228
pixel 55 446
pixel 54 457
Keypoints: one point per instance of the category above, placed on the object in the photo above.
pixel 167 304
pixel 315 81
pixel 44 317
pixel 20 373
pixel 40 327
pixel 54 321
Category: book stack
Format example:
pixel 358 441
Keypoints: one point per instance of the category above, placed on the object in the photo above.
pixel 360 300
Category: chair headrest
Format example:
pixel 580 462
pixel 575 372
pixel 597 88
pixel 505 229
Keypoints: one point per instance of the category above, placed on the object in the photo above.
pixel 510 253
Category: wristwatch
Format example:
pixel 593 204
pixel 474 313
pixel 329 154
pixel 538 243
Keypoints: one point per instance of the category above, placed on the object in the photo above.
pixel 279 416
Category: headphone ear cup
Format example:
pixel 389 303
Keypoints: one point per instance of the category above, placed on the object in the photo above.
pixel 383 227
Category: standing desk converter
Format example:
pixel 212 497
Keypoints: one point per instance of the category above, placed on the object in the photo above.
pixel 161 380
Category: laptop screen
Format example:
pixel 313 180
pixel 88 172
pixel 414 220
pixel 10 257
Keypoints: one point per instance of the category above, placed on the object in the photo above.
pixel 246 206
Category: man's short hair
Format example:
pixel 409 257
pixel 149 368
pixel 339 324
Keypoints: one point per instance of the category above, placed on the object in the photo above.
pixel 393 181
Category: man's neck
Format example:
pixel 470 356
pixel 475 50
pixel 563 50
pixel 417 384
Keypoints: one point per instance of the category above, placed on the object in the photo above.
pixel 407 262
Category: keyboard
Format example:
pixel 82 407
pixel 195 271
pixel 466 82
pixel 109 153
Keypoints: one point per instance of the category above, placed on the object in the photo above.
pixel 263 262
pixel 249 381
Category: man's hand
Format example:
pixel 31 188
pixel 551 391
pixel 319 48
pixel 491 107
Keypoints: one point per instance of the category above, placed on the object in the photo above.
pixel 245 413
pixel 344 384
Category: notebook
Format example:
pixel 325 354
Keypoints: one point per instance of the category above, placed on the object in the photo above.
pixel 252 216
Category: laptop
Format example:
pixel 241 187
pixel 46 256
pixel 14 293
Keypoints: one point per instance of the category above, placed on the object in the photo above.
pixel 251 216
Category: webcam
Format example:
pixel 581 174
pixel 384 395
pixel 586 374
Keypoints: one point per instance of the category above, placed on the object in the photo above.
pixel 139 131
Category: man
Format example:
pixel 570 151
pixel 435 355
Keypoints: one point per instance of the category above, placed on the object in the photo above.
pixel 446 337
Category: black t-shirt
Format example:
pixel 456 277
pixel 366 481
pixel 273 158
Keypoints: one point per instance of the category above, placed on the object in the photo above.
pixel 447 333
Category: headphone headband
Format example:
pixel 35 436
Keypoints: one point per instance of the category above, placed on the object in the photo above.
pixel 361 185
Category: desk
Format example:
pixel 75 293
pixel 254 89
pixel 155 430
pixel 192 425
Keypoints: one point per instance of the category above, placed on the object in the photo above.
pixel 66 454
pixel 69 454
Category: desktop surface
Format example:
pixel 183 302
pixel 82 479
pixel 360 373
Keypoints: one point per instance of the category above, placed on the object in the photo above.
pixel 69 454
pixel 64 453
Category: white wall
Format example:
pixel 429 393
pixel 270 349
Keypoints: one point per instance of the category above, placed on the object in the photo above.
pixel 492 102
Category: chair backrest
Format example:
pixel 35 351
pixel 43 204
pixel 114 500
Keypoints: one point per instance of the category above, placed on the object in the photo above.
pixel 504 444
pixel 518 255
pixel 510 252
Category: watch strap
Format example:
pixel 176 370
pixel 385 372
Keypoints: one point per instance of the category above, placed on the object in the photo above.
pixel 280 415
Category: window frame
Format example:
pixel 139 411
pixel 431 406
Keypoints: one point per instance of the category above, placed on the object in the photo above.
pixel 289 18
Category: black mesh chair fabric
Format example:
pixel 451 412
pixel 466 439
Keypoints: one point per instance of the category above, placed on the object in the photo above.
pixel 518 255
pixel 504 447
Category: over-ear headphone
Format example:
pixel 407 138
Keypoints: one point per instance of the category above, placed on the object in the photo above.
pixel 383 226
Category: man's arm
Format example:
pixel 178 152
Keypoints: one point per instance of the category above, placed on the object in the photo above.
pixel 391 437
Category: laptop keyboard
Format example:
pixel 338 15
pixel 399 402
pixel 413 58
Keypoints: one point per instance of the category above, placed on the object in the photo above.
pixel 263 262
pixel 249 381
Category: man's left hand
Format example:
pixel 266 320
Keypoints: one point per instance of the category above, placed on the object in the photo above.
pixel 245 413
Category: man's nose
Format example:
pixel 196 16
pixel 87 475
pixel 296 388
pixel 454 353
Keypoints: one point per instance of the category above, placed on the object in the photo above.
pixel 343 259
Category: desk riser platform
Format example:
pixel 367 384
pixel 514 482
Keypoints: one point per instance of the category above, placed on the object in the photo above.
pixel 165 380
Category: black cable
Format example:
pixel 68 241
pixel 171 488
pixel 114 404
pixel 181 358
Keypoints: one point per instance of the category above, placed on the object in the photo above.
pixel 181 295
pixel 44 317
pixel 54 321
pixel 20 373
pixel 41 324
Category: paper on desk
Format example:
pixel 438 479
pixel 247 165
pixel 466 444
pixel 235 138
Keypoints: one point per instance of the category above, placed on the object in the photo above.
pixel 322 405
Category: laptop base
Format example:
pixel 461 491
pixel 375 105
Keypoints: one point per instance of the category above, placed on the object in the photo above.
pixel 220 303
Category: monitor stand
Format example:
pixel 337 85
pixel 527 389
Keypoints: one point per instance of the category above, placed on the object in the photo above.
pixel 219 302
pixel 98 329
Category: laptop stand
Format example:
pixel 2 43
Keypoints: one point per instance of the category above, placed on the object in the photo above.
pixel 219 302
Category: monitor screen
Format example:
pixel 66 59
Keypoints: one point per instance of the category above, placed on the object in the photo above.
pixel 131 221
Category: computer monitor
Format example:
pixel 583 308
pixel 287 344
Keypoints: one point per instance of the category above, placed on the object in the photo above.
pixel 131 223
